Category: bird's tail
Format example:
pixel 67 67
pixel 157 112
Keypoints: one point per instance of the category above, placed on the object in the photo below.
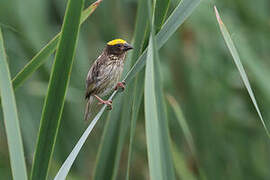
pixel 88 108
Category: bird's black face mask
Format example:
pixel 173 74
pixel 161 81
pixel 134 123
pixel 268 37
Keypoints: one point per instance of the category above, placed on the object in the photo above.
pixel 118 49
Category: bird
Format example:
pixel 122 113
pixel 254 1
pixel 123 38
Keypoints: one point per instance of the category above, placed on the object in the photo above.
pixel 104 74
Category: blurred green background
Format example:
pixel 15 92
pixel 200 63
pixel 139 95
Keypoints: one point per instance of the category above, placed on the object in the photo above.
pixel 197 70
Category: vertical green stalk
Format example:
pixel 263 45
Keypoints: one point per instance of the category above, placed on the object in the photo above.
pixel 156 124
pixel 162 7
pixel 11 120
pixel 59 79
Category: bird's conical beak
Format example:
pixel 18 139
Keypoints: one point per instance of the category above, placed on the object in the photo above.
pixel 127 47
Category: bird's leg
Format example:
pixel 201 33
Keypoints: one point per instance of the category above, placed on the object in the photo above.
pixel 120 86
pixel 101 101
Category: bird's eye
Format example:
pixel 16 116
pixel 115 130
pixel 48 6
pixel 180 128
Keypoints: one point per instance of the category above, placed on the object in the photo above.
pixel 118 45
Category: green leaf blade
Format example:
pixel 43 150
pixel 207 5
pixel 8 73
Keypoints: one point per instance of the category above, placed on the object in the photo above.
pixel 237 61
pixel 65 168
pixel 159 156
pixel 151 118
pixel 54 102
pixel 35 62
pixel 156 124
pixel 182 122
pixel 162 7
pixel 181 167
pixel 103 168
pixel 137 99
pixel 11 120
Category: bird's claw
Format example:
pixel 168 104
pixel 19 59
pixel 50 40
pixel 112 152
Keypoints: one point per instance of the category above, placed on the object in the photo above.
pixel 108 103
pixel 120 86
pixel 96 3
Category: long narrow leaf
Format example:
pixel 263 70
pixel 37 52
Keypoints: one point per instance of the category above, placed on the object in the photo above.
pixel 162 7
pixel 11 120
pixel 109 139
pixel 187 133
pixel 179 15
pixel 181 166
pixel 63 172
pixel 182 122
pixel 239 66
pixel 54 102
pixel 137 99
pixel 41 57
pixel 138 85
pixel 156 124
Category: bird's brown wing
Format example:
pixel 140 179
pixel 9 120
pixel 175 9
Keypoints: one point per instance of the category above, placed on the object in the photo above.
pixel 92 81
pixel 92 76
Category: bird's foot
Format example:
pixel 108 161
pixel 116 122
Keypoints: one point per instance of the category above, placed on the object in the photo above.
pixel 120 86
pixel 108 102
pixel 96 3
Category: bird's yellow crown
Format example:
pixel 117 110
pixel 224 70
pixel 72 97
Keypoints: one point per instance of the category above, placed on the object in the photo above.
pixel 116 41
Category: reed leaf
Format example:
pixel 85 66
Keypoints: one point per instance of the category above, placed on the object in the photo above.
pixel 59 79
pixel 238 63
pixel 156 124
pixel 182 122
pixel 11 120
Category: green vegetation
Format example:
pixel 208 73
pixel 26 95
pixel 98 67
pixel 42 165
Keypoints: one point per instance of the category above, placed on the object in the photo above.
pixel 59 79
pixel 12 126
pixel 185 113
